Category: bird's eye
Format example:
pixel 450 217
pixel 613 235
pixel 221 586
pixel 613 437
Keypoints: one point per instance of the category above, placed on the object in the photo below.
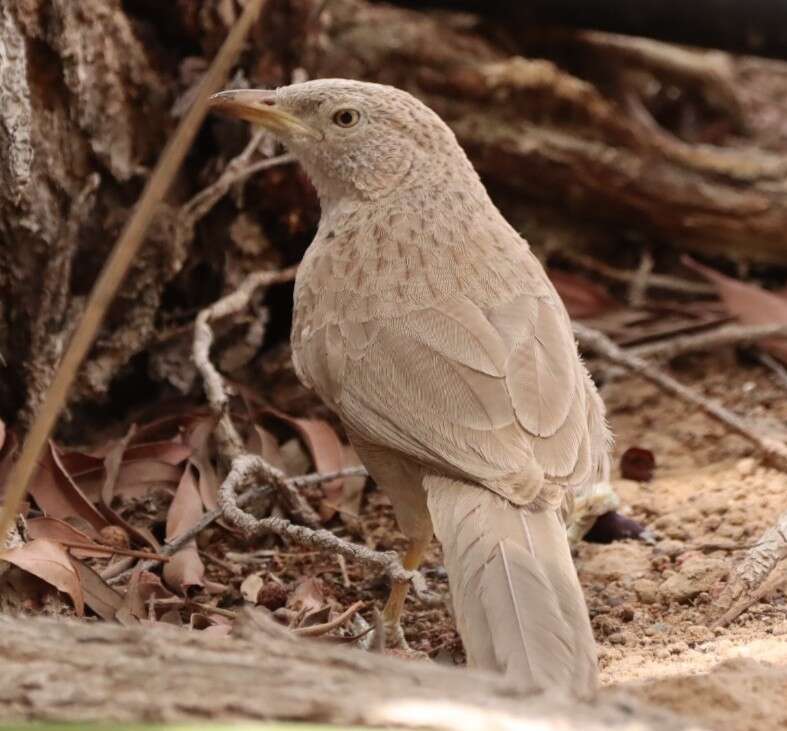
pixel 346 118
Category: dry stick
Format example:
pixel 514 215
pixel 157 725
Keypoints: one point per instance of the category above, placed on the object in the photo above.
pixel 118 264
pixel 774 451
pixel 659 281
pixel 775 366
pixel 81 545
pixel 317 630
pixel 719 337
pixel 229 441
pixel 315 478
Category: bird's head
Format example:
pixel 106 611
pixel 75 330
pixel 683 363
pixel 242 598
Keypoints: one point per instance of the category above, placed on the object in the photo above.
pixel 355 139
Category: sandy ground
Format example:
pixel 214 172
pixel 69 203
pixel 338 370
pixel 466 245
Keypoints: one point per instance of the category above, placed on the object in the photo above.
pixel 653 606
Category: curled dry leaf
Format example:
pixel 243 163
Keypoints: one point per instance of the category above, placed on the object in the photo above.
pixel 325 448
pixel 58 495
pixel 99 596
pixel 50 562
pixel 198 438
pixel 185 569
pixel 751 304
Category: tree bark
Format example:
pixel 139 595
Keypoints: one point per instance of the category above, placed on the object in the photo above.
pixel 79 672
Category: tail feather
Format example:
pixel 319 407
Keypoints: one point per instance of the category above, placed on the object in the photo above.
pixel 518 603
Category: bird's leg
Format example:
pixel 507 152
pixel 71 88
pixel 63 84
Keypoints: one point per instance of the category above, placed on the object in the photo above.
pixel 393 607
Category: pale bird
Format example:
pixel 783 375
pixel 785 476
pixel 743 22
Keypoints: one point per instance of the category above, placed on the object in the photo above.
pixel 425 322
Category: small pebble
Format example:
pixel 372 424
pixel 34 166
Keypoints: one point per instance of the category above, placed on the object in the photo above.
pixel 646 590
pixel 623 638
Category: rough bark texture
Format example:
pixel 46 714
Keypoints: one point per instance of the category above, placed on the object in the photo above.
pixel 168 674
pixel 583 138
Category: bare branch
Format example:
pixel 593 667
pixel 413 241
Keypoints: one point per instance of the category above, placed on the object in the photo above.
pixel 590 339
pixel 229 441
pixel 717 338
pixel 657 281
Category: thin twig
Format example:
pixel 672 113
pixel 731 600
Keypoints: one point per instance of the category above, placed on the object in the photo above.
pixel 641 280
pixel 343 570
pixel 147 555
pixel 317 630
pixel 655 281
pixel 117 266
pixel 591 339
pixel 114 570
pixel 236 171
pixel 229 441
pixel 228 613
pixel 775 366
pixel 717 338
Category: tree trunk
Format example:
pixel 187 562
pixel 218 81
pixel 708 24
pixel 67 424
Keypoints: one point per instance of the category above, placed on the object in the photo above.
pixel 584 139
pixel 79 672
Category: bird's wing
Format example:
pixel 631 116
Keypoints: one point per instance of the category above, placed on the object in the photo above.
pixel 497 396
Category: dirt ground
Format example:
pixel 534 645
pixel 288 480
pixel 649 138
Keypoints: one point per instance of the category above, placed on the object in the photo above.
pixel 653 605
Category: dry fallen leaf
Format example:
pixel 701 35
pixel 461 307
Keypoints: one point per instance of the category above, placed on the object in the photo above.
pixel 144 587
pixel 185 569
pixel 135 478
pixel 58 495
pixel 50 562
pixel 54 529
pixel 325 448
pixel 751 304
pixel 198 439
pixel 99 596
pixel 261 441
pixel 582 297
pixel 349 505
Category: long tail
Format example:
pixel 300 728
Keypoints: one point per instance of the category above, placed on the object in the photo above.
pixel 517 599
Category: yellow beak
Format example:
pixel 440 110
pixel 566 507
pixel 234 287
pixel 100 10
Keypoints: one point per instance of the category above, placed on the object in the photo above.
pixel 258 106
